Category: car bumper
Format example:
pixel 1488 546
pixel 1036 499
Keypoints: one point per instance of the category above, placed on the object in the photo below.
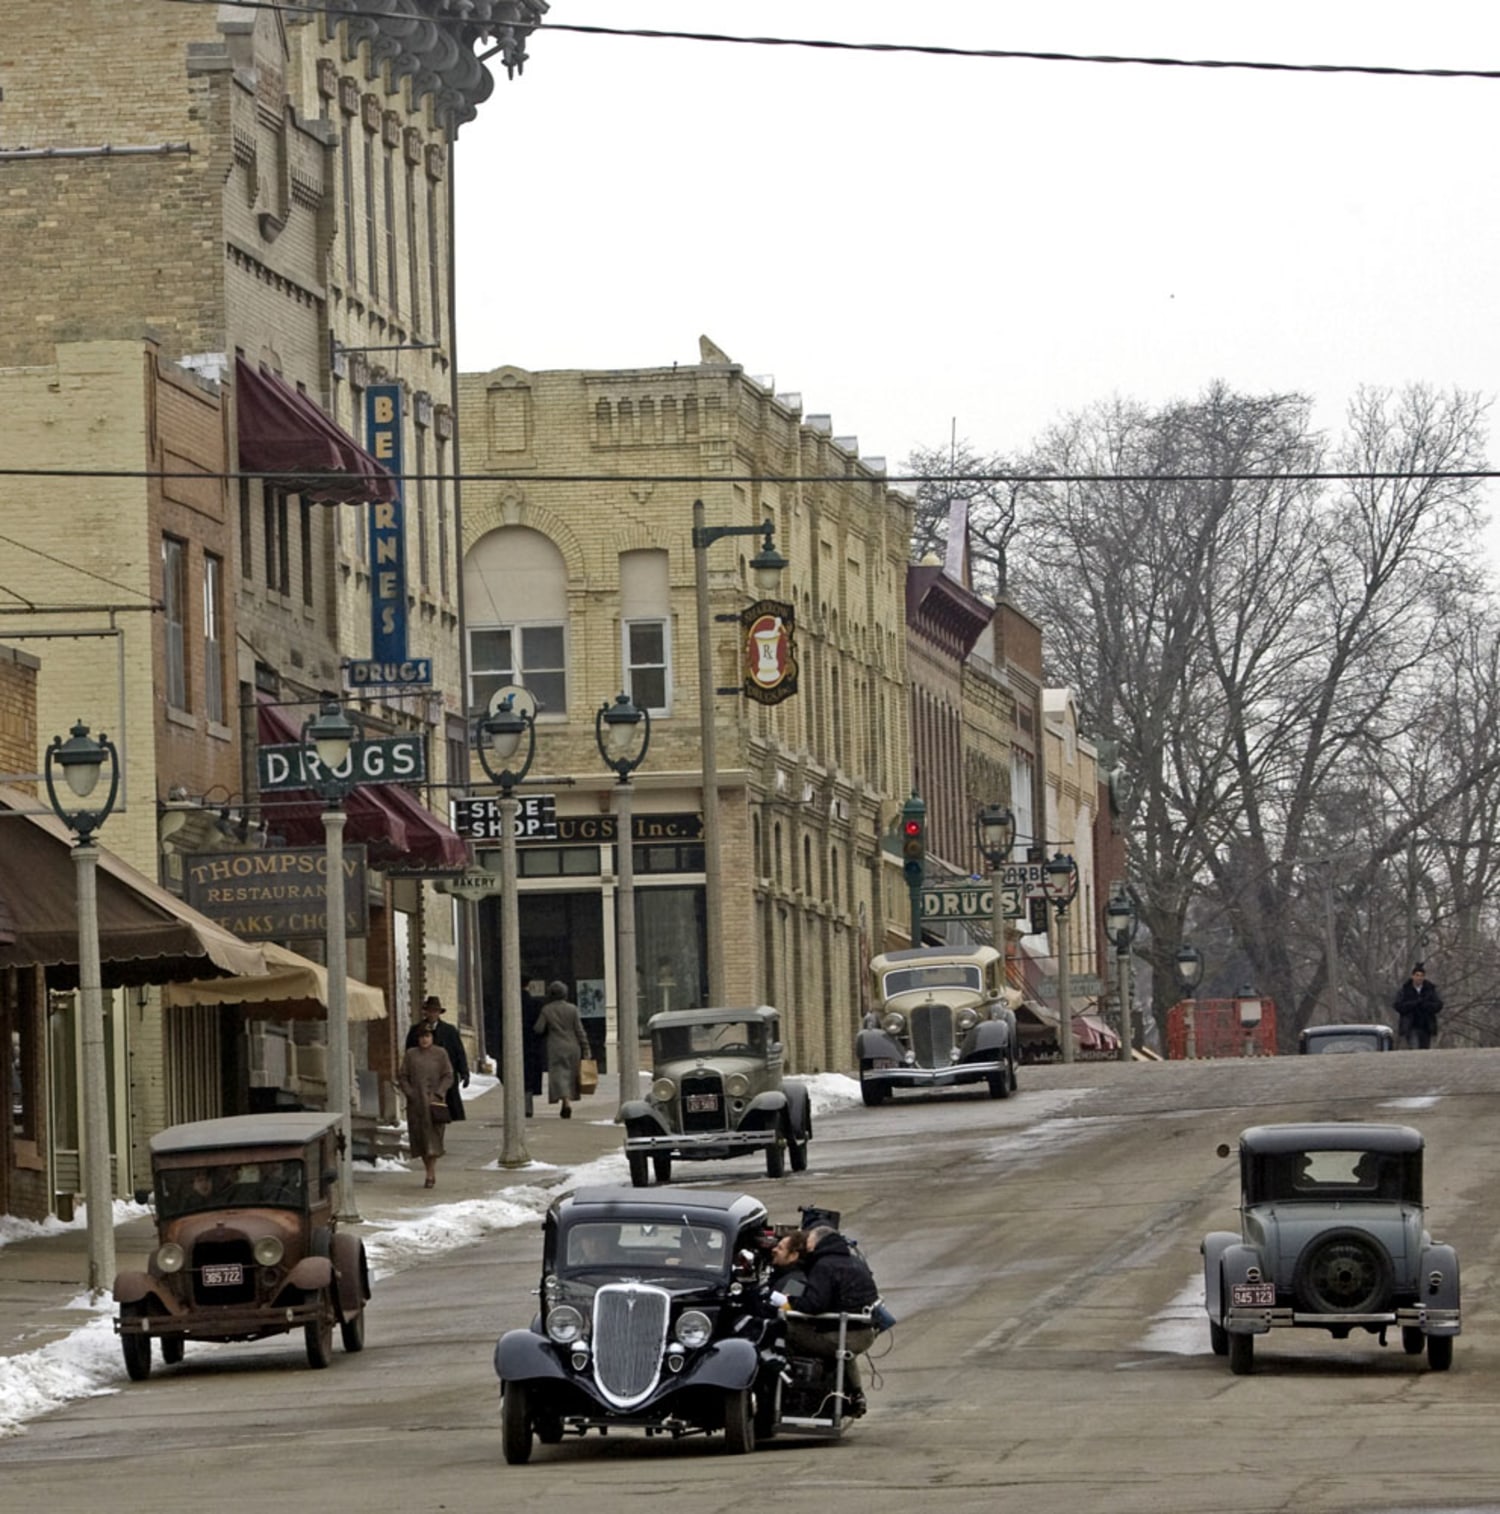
pixel 223 1324
pixel 1245 1321
pixel 933 1077
pixel 712 1143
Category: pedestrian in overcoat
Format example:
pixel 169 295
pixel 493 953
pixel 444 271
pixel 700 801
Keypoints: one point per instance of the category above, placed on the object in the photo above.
pixel 1418 1004
pixel 424 1078
pixel 448 1038
pixel 567 1044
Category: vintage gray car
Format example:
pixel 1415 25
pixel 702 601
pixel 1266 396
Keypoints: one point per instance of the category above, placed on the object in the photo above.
pixel 943 1018
pixel 248 1243
pixel 717 1091
pixel 1343 1039
pixel 1332 1237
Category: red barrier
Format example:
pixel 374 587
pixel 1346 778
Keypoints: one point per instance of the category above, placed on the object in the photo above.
pixel 1217 1031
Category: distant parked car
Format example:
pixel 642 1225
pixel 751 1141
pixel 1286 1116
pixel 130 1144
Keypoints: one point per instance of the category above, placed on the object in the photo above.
pixel 717 1092
pixel 1332 1237
pixel 1346 1038
pixel 247 1242
pixel 941 1019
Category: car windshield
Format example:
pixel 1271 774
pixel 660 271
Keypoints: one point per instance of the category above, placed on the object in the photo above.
pixel 1354 1041
pixel 633 1247
pixel 279 1184
pixel 1314 1175
pixel 905 980
pixel 721 1038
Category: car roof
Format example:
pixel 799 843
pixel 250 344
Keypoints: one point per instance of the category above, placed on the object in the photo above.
pixel 1362 1028
pixel 242 1130
pixel 711 1016
pixel 1342 1135
pixel 907 954
pixel 703 1205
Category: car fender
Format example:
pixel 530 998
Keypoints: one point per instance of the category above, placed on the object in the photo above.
pixel 991 1036
pixel 1215 1244
pixel 525 1356
pixel 729 1364
pixel 764 1111
pixel 132 1287
pixel 872 1044
pixel 352 1273
pixel 640 1118
pixel 311 1273
pixel 1440 1263
pixel 799 1110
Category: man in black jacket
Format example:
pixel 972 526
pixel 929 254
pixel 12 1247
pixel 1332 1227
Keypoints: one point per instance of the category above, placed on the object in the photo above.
pixel 446 1036
pixel 1418 1004
pixel 838 1282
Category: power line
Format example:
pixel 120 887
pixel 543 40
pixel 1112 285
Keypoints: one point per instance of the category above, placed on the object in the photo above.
pixel 829 44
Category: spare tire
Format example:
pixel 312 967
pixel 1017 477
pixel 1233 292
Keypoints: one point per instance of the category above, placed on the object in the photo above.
pixel 1343 1272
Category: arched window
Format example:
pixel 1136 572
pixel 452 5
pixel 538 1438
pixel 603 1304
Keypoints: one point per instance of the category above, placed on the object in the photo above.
pixel 516 603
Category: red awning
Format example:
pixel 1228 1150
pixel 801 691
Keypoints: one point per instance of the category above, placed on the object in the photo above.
pixel 400 832
pixel 282 432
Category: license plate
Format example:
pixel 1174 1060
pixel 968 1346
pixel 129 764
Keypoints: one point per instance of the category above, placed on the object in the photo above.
pixel 702 1103
pixel 226 1275
pixel 1253 1295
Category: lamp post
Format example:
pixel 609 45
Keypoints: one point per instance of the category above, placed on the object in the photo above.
pixel 1060 883
pixel 622 730
pixel 767 565
pixel 1121 921
pixel 328 739
pixel 501 734
pixel 81 760
pixel 995 830
pixel 1189 975
pixel 1250 1010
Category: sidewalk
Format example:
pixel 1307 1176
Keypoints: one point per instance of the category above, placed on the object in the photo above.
pixel 41 1277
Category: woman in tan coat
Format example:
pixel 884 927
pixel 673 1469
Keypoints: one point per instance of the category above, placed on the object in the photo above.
pixel 425 1077
pixel 567 1045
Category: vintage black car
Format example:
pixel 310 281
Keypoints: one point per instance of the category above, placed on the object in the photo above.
pixel 1341 1039
pixel 1332 1237
pixel 717 1091
pixel 248 1243
pixel 652 1317
pixel 943 1018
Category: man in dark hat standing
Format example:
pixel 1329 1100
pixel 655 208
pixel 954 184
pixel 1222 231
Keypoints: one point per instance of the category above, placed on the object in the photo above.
pixel 446 1036
pixel 1418 1004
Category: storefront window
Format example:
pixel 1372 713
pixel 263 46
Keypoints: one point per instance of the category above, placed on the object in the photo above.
pixel 669 948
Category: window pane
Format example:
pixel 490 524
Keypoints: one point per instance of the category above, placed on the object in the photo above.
pixel 542 648
pixel 647 641
pixel 648 687
pixel 489 652
pixel 551 691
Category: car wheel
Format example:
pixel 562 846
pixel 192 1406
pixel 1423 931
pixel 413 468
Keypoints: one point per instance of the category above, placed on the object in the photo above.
pixel 739 1422
pixel 776 1157
pixel 1343 1272
pixel 1218 1338
pixel 661 1165
pixel 172 1349
pixel 318 1335
pixel 768 1410
pixel 1439 1352
pixel 999 1084
pixel 1413 1342
pixel 136 1349
pixel 1241 1354
pixel 549 1428
pixel 352 1331
pixel 515 1424
pixel 1015 1082
pixel 637 1161
pixel 874 1094
pixel 797 1151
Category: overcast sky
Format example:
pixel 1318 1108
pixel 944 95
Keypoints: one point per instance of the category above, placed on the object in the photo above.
pixel 911 241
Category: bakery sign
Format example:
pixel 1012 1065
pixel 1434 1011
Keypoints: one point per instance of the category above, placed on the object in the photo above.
pixel 770 651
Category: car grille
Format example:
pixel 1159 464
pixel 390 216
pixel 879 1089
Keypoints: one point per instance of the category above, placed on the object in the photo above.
pixel 702 1095
pixel 220 1254
pixel 630 1330
pixel 932 1034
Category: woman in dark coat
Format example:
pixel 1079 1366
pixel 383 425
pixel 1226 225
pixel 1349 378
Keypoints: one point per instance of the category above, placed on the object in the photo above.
pixel 567 1045
pixel 425 1077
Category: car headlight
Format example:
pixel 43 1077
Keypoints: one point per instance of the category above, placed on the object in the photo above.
pixel 170 1257
pixel 965 1020
pixel 694 1328
pixel 268 1251
pixel 663 1090
pixel 894 1023
pixel 736 1085
pixel 564 1324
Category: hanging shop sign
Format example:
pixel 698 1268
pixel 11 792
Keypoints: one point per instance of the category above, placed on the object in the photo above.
pixel 770 651
pixel 276 895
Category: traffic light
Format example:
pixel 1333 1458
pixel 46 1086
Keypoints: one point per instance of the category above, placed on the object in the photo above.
pixel 914 841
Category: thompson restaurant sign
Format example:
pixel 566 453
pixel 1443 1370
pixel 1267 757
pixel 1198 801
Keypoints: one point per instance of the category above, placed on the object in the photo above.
pixel 278 894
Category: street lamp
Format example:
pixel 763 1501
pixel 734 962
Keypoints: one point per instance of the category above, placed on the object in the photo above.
pixel 1250 1011
pixel 501 734
pixel 766 565
pixel 81 760
pixel 327 741
pixel 622 730
pixel 995 830
pixel 1121 921
pixel 1189 975
pixel 1060 884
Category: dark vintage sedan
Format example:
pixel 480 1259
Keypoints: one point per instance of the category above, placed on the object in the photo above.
pixel 652 1317
pixel 1341 1039
pixel 248 1243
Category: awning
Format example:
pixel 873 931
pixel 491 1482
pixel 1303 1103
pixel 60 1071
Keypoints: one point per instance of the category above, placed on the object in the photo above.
pixel 293 988
pixel 283 432
pixel 398 829
pixel 145 935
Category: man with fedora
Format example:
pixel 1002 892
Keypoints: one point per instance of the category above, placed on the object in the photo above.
pixel 1418 1004
pixel 446 1036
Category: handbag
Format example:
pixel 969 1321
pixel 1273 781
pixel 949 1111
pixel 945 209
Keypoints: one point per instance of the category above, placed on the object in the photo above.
pixel 588 1075
pixel 439 1113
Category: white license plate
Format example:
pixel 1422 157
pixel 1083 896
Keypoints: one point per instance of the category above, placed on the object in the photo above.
pixel 1253 1295
pixel 702 1103
pixel 226 1275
